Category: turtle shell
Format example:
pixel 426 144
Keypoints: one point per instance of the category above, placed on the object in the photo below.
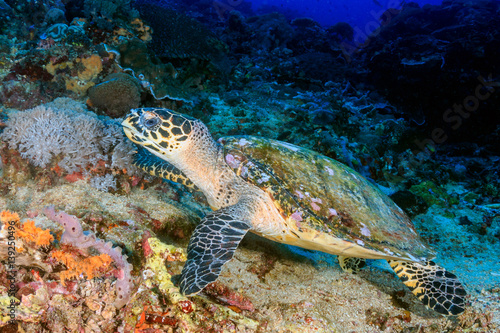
pixel 322 194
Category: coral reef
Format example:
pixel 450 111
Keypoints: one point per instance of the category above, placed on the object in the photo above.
pixel 57 130
pixel 64 132
pixel 422 48
pixel 108 9
pixel 267 72
pixel 75 236
pixel 155 273
pixel 162 79
pixel 104 183
pixel 91 266
pixel 34 236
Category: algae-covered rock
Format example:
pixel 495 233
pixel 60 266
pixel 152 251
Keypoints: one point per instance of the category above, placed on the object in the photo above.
pixel 154 271
pixel 433 195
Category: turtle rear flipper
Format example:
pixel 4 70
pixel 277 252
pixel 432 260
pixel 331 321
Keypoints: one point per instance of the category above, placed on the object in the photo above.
pixel 212 244
pixel 351 264
pixel 437 288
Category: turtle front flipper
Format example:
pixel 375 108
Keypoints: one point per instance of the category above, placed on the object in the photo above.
pixel 158 167
pixel 437 288
pixel 212 244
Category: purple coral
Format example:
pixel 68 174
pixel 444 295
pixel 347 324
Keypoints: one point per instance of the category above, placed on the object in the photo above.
pixel 75 236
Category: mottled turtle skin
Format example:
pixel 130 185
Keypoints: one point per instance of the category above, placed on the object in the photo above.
pixel 288 194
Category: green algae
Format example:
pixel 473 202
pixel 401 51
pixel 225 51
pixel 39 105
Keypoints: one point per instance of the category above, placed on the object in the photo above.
pixel 433 194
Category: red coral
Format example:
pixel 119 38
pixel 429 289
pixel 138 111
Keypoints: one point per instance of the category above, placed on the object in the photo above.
pixel 229 296
pixel 74 177
pixel 146 248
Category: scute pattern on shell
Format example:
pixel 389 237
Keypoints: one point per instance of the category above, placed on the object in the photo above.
pixel 322 194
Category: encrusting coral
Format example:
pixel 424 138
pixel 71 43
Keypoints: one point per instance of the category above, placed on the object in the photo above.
pixel 34 235
pixel 155 272
pixel 91 266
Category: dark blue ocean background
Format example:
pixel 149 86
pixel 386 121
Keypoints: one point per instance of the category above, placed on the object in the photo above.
pixel 358 13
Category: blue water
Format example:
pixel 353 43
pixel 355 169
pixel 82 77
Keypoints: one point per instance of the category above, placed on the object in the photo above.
pixel 358 13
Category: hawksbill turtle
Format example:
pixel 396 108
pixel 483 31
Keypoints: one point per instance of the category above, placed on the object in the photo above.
pixel 287 194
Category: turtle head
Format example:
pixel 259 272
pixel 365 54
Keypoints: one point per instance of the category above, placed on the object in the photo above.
pixel 163 132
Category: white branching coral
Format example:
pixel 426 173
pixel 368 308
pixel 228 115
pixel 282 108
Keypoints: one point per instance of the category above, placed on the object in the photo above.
pixel 103 183
pixel 66 129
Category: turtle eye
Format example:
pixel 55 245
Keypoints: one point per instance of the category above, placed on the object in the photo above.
pixel 151 122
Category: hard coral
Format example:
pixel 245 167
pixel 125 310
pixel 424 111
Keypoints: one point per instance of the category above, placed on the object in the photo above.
pixel 22 95
pixel 143 31
pixel 116 95
pixel 108 9
pixel 78 74
pixel 163 80
pixel 155 272
pixel 92 66
pixel 56 32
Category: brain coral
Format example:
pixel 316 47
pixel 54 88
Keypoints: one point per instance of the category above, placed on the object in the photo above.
pixel 176 35
pixel 116 95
